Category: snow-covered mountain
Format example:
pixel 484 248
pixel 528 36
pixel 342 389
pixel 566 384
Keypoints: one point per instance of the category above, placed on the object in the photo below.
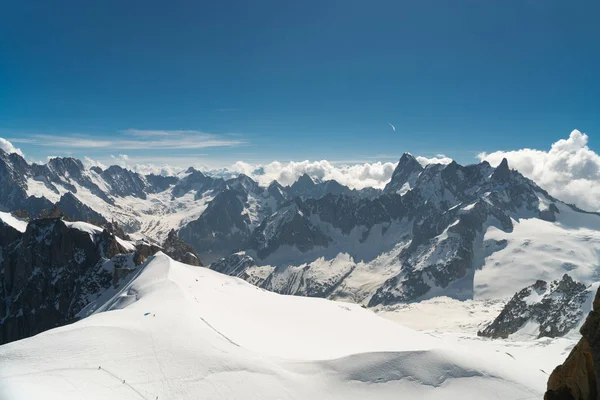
pixel 544 310
pixel 178 331
pixel 464 231
pixel 460 231
pixel 476 234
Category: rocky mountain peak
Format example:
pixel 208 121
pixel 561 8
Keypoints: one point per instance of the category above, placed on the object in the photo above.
pixel 304 181
pixel 124 182
pixel 405 175
pixel 66 166
pixel 243 183
pixel 554 307
pixel 179 250
pixel 502 171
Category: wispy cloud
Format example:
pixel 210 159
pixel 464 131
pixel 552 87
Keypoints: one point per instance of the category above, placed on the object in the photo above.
pixel 135 139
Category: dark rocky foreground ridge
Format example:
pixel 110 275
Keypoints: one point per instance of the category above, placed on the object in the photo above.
pixel 578 378
pixel 54 269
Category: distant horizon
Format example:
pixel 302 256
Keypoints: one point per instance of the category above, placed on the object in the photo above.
pixel 569 170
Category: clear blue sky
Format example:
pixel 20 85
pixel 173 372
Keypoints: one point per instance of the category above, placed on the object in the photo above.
pixel 285 80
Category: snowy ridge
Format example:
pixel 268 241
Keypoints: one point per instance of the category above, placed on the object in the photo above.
pixel 248 344
pixel 12 221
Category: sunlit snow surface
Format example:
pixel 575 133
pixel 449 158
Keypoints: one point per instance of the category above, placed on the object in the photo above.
pixel 10 220
pixel 182 332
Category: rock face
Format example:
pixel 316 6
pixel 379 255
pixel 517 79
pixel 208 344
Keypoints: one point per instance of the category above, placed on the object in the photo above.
pixel 579 376
pixel 222 228
pixel 405 175
pixel 124 182
pixel 555 308
pixel 288 226
pixel 179 250
pixel 50 272
pixel 243 266
pixel 75 210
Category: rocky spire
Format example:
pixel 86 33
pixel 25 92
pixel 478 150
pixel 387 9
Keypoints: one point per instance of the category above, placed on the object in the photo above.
pixel 407 170
pixel 502 171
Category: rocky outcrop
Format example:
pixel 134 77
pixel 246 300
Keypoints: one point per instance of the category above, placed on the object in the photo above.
pixel 124 182
pixel 179 250
pixel 405 175
pixel 305 187
pixel 288 226
pixel 52 271
pixel 578 378
pixel 555 308
pixel 196 181
pixel 234 264
pixel 223 228
pixel 75 210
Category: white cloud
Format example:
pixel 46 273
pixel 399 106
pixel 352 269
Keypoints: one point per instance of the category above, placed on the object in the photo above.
pixel 354 176
pixel 438 159
pixel 136 139
pixel 570 170
pixel 88 162
pixel 120 157
pixel 165 170
pixel 9 148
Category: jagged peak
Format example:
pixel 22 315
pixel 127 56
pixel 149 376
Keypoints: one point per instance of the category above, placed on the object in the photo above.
pixel 275 184
pixel 407 161
pixel 304 181
pixel 502 171
pixel 406 156
pixel 60 163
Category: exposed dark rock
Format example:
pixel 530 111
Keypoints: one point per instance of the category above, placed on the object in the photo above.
pixel 124 182
pixel 238 264
pixel 49 273
pixel 75 210
pixel 406 173
pixel 223 228
pixel 159 183
pixel 116 230
pixel 556 308
pixel 179 250
pixel 579 376
pixel 288 226
pixel 197 181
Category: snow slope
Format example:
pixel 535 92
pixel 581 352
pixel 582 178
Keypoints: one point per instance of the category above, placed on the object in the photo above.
pixel 181 332
pixel 537 249
pixel 12 221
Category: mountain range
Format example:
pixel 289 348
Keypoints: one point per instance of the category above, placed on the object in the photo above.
pixel 467 232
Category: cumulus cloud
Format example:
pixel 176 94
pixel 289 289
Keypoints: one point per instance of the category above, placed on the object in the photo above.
pixel 354 176
pixel 9 148
pixel 121 158
pixel 89 163
pixel 438 159
pixel 570 170
pixel 148 168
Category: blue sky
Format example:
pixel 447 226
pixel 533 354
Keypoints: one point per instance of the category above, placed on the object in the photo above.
pixel 217 82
